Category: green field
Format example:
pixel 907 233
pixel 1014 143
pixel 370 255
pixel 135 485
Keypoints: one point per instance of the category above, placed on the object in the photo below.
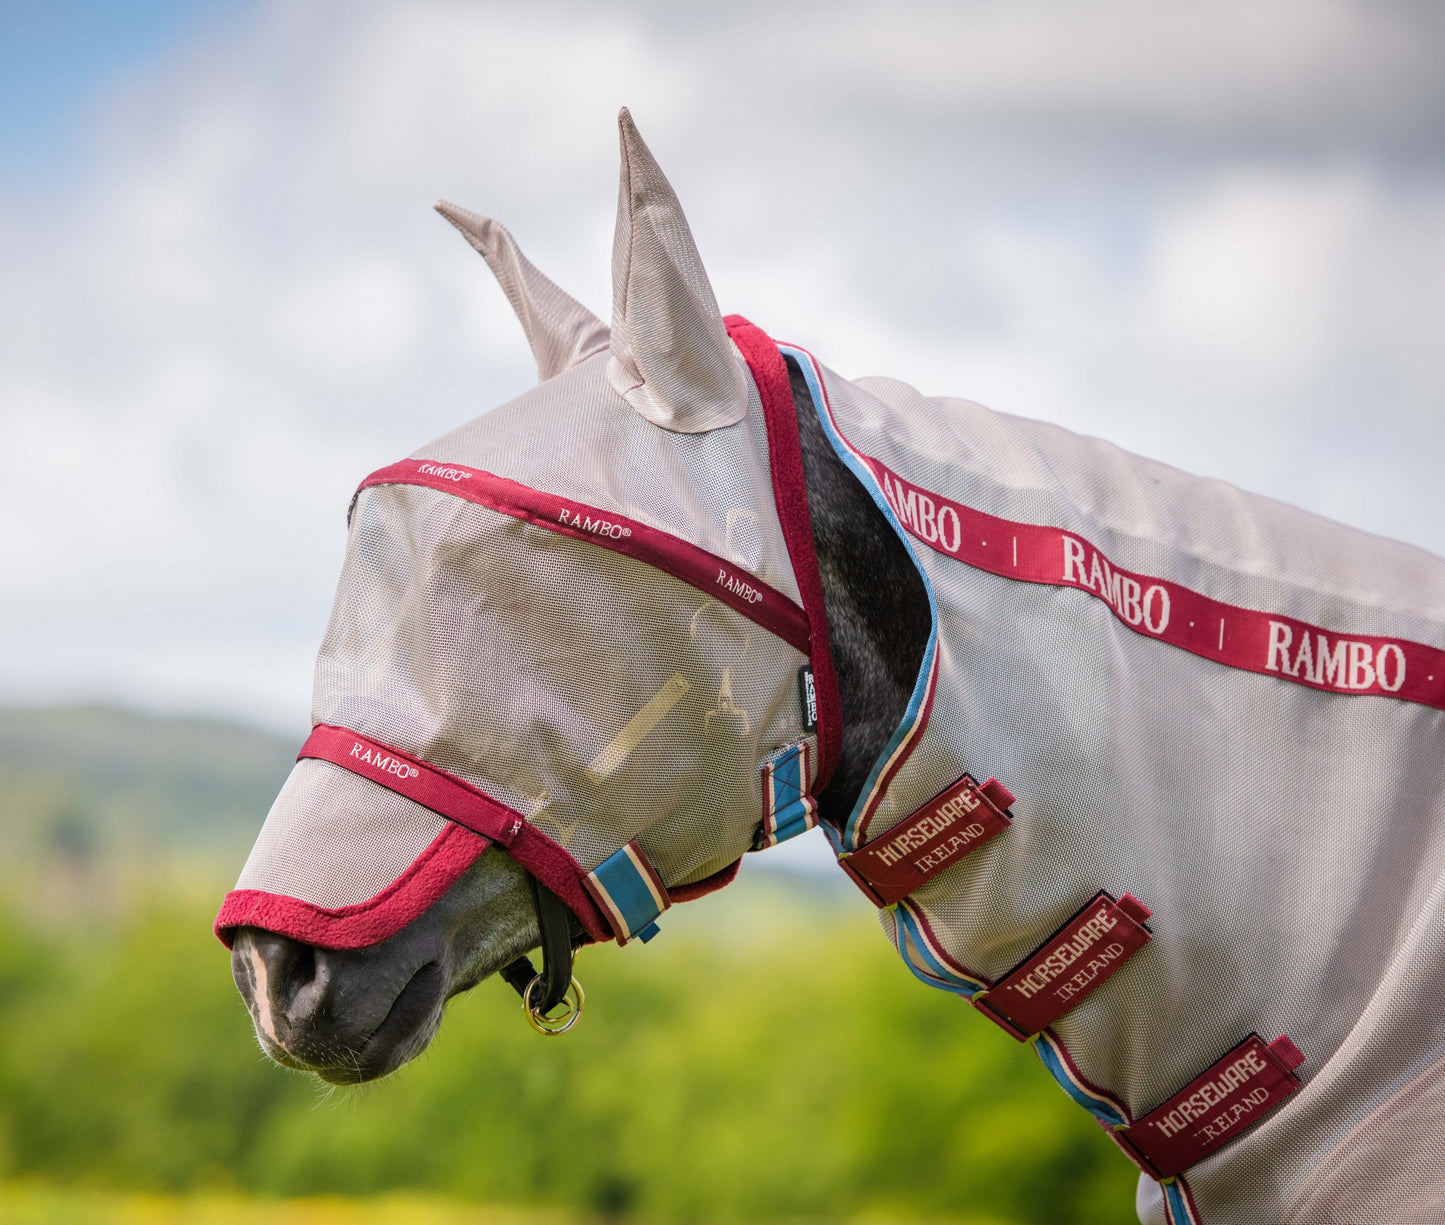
pixel 767 1058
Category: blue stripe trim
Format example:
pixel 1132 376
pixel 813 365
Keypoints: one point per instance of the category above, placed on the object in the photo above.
pixel 1178 1203
pixel 788 808
pixel 1100 1108
pixel 933 971
pixel 629 890
pixel 795 819
pixel 915 703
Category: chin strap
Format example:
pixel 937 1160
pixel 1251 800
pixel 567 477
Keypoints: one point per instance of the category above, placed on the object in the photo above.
pixel 554 921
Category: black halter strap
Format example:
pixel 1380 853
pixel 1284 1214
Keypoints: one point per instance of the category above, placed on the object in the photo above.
pixel 555 922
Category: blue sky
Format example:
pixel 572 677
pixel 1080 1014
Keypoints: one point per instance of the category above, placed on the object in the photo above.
pixel 1213 233
pixel 59 59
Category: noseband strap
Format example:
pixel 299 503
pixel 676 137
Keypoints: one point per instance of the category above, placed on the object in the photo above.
pixel 554 920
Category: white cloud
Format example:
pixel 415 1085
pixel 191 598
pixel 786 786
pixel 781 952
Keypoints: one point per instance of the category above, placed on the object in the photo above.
pixel 1252 272
pixel 246 304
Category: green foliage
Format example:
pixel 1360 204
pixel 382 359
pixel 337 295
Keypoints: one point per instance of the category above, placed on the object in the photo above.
pixel 768 1057
pixel 787 1067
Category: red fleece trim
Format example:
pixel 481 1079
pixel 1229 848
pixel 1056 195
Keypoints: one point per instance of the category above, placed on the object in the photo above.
pixel 714 576
pixel 458 800
pixel 430 875
pixel 785 454
pixel 708 884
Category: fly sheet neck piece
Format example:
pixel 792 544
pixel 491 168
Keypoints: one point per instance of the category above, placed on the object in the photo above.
pixel 1205 877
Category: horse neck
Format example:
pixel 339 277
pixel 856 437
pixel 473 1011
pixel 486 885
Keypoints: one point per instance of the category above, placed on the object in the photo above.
pixel 878 614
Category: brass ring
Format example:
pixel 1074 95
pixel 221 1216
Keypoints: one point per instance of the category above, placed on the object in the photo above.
pixel 573 1002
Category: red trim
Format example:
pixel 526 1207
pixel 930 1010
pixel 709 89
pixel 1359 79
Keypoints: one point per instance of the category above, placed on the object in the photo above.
pixel 1267 643
pixel 714 576
pixel 419 781
pixel 459 801
pixel 430 875
pixel 785 455
pixel 708 884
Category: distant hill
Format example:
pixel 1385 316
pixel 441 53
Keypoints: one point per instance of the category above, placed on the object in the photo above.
pixel 93 798
pixel 96 783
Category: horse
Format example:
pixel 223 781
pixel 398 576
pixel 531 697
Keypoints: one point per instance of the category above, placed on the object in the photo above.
pixel 1143 768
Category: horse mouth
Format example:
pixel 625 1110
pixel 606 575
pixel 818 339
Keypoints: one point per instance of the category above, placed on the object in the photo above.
pixel 407 1029
pixel 316 1012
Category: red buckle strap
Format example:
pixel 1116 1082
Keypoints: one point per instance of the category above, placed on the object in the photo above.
pixel 954 823
pixel 1215 1107
pixel 1075 961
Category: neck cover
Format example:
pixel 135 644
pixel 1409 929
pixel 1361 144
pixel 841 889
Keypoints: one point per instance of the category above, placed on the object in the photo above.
pixel 1210 706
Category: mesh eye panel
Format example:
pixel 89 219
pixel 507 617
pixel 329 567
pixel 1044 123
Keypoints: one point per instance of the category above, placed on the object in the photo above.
pixel 603 699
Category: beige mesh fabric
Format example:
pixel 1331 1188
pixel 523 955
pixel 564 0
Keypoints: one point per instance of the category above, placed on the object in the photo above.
pixel 1291 842
pixel 370 835
pixel 600 696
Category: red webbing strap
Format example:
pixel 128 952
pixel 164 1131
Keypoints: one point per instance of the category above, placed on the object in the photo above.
pixel 714 576
pixel 1230 1097
pixel 457 800
pixel 956 822
pixel 785 456
pixel 1267 643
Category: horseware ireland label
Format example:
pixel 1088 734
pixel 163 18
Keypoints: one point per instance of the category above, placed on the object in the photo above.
pixel 1268 643
pixel 956 822
pixel 1076 960
pixel 1232 1096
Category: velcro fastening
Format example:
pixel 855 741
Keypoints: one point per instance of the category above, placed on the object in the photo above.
pixel 1077 959
pixel 1215 1107
pixel 629 892
pixel 788 808
pixel 954 823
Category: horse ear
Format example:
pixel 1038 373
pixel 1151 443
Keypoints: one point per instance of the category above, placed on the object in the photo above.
pixel 561 331
pixel 671 357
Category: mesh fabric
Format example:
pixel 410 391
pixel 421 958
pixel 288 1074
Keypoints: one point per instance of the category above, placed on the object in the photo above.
pixel 1290 841
pixel 599 696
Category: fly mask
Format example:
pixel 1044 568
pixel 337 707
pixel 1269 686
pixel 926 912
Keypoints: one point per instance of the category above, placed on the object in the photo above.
pixel 585 629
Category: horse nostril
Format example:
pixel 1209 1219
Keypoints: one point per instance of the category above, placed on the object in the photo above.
pixel 283 981
pixel 293 973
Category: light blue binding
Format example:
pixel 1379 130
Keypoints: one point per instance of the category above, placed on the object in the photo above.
pixel 788 809
pixel 850 839
pixel 623 888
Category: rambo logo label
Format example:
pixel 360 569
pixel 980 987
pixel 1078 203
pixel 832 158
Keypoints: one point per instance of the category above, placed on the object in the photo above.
pixel 382 762
pixel 1133 603
pixel 446 474
pixel 1271 644
pixel 730 582
pixel 1345 664
pixel 596 527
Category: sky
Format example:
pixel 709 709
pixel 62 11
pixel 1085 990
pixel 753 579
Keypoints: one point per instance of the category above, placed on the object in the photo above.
pixel 1213 233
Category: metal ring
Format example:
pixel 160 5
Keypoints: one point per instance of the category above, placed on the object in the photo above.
pixel 552 1026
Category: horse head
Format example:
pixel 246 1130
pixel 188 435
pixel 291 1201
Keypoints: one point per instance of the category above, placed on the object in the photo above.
pixel 577 666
